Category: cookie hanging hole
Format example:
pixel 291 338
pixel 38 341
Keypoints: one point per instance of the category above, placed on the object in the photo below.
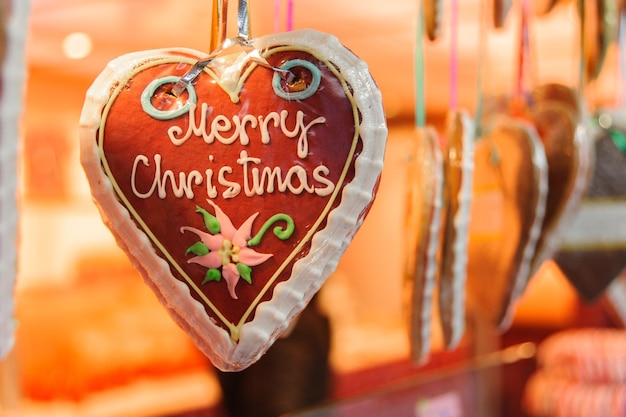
pixel 164 98
pixel 296 79
pixel 297 84
pixel 160 101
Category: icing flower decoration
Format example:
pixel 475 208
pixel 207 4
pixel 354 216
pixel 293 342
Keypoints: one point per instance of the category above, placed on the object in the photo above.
pixel 224 250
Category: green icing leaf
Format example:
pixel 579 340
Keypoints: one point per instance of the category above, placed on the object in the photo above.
pixel 212 274
pixel 244 272
pixel 210 221
pixel 197 249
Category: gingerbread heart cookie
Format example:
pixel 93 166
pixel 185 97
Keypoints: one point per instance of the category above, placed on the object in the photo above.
pixel 423 222
pixel 510 190
pixel 458 158
pixel 570 159
pixel 236 198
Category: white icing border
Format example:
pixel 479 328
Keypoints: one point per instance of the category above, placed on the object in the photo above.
pixel 452 299
pixel 308 274
pixel 540 176
pixel 461 224
pixel 584 153
pixel 11 107
pixel 422 275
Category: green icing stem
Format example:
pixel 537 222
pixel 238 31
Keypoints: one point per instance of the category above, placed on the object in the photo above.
pixel 281 233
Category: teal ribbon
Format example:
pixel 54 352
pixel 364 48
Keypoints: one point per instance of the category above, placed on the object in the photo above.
pixel 420 102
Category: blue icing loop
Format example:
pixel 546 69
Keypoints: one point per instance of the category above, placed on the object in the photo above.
pixel 148 92
pixel 297 95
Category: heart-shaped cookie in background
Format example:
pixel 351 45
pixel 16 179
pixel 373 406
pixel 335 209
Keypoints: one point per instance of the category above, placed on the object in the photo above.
pixel 510 188
pixel 594 247
pixel 458 163
pixel 569 151
pixel 423 223
pixel 235 199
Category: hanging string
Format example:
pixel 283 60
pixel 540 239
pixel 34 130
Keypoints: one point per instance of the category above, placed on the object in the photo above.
pixel 621 73
pixel 218 24
pixel 582 67
pixel 523 66
pixel 615 130
pixel 276 16
pixel 481 67
pixel 454 70
pixel 420 102
pixel 243 27
pixel 289 15
pixel 243 20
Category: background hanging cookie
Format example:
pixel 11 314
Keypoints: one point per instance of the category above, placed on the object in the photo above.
pixel 423 223
pixel 510 191
pixel 458 160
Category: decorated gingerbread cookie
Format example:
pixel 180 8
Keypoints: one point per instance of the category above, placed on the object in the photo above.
pixel 237 197
pixel 423 223
pixel 569 153
pixel 458 159
pixel 510 191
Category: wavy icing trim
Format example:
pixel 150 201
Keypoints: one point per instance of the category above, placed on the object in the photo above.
pixel 583 154
pixel 540 176
pixel 308 273
pixel 454 253
pixel 424 217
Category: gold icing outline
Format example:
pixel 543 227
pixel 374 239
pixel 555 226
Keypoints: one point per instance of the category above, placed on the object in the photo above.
pixel 234 96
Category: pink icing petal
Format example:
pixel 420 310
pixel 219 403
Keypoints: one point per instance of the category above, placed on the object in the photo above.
pixel 251 257
pixel 210 260
pixel 231 276
pixel 213 242
pixel 226 226
pixel 243 234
